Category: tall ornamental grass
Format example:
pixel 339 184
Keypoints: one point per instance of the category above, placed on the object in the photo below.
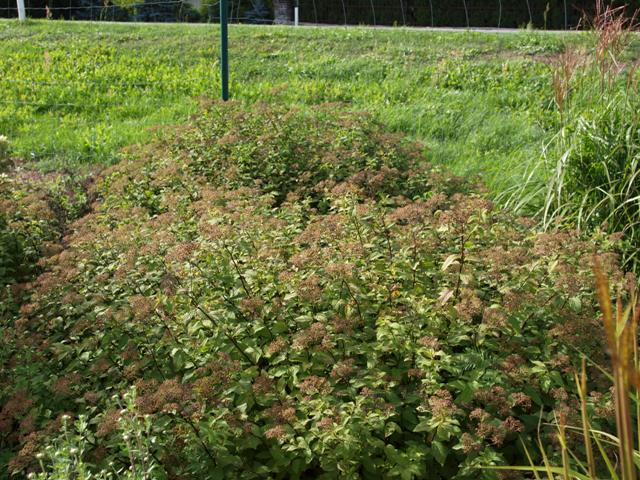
pixel 588 176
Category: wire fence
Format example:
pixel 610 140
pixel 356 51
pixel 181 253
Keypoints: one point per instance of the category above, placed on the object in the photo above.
pixel 93 7
pixel 557 14
pixel 166 11
pixel 543 14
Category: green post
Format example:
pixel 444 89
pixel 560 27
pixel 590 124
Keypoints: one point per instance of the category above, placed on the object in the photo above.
pixel 224 49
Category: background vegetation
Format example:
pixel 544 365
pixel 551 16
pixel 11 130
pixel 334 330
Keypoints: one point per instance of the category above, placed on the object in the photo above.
pixel 74 94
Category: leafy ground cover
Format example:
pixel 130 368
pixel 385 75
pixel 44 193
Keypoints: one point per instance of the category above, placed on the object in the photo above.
pixel 73 94
pixel 282 293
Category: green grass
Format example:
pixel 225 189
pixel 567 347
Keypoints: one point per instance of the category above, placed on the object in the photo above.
pixel 73 94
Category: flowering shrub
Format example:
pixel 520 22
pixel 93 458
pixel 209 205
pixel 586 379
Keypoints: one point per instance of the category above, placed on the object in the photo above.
pixel 297 294
pixel 34 210
pixel 4 151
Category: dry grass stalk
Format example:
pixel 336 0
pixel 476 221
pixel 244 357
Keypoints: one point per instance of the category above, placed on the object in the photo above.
pixel 621 334
pixel 581 383
pixel 613 27
pixel 563 72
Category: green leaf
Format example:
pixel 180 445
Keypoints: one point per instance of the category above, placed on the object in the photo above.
pixel 439 451
pixel 423 426
pixel 390 428
pixel 450 260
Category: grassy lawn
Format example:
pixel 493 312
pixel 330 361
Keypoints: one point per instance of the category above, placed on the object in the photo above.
pixel 73 94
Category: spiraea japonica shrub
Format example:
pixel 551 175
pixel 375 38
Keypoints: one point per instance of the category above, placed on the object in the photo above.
pixel 34 211
pixel 297 294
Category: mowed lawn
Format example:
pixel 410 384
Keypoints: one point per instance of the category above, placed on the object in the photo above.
pixel 72 94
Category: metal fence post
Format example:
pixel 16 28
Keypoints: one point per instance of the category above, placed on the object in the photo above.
pixel 224 49
pixel 21 13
